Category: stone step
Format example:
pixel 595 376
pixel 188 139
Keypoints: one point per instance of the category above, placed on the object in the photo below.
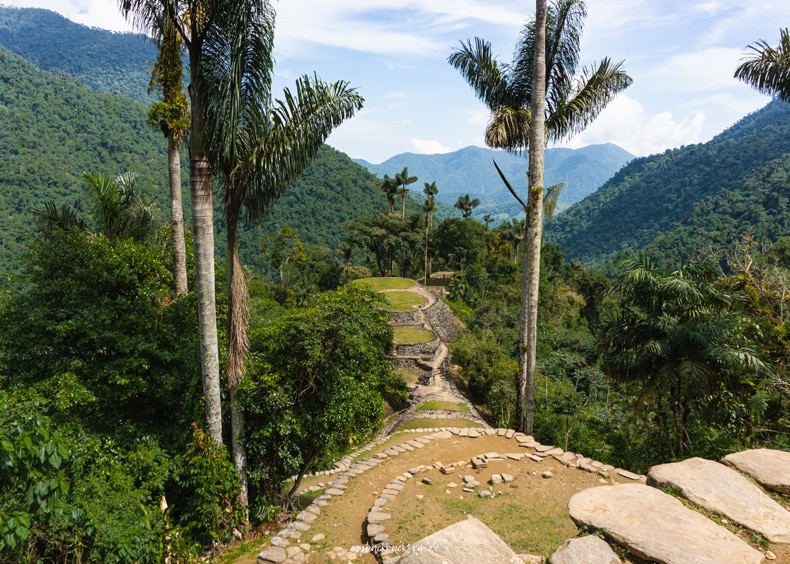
pixel 723 490
pixel 771 468
pixel 655 526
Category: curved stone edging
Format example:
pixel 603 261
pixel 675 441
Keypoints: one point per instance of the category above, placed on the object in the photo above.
pixel 281 549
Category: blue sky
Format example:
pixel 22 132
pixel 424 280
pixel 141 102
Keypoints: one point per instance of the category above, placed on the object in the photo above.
pixel 681 55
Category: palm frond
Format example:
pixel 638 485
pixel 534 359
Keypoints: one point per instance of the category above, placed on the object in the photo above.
pixel 767 69
pixel 575 109
pixel 509 129
pixel 479 67
pixel 300 125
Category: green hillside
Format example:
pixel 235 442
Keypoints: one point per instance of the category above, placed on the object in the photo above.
pixel 52 130
pixel 103 60
pixel 760 209
pixel 654 195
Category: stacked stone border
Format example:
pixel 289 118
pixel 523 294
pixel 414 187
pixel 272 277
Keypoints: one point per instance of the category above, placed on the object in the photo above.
pixel 285 547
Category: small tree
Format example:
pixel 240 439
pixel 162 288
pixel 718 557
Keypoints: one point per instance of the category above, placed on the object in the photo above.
pixel 315 390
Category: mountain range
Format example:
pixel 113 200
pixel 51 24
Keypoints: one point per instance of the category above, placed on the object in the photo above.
pixel 471 171
pixel 56 125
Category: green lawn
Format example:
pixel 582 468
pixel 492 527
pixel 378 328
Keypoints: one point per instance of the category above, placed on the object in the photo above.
pixel 403 301
pixel 389 283
pixel 429 422
pixel 449 405
pixel 413 335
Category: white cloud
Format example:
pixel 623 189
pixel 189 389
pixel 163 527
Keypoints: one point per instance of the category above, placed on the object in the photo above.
pixel 626 123
pixel 429 146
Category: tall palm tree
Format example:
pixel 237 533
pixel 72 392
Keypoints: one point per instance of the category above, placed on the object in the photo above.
pixel 429 207
pixel 171 115
pixel 390 188
pixel 195 20
pixel 256 149
pixel 402 179
pixel 768 68
pixel 488 219
pixel 542 79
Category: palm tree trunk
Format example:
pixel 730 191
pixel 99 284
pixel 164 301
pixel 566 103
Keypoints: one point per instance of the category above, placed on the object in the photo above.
pixel 177 218
pixel 238 344
pixel 530 278
pixel 203 242
pixel 427 229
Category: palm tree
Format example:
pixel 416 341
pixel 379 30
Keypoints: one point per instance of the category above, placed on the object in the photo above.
pixel 117 207
pixel 675 335
pixel 402 179
pixel 488 219
pixel 257 148
pixel 195 20
pixel 767 68
pixel 429 207
pixel 347 249
pixel 466 205
pixel 171 115
pixel 390 188
pixel 538 97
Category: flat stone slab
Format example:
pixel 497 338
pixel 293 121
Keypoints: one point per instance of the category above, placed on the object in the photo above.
pixel 465 541
pixel 721 489
pixel 771 468
pixel 585 550
pixel 655 526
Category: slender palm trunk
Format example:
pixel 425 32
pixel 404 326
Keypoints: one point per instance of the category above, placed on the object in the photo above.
pixel 200 192
pixel 177 218
pixel 203 227
pixel 427 229
pixel 238 345
pixel 530 279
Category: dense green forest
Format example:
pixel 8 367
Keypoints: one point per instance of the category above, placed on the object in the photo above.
pixel 54 129
pixel 656 194
pixel 102 60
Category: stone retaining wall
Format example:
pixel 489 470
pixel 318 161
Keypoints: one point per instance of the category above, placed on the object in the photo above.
pixel 411 316
pixel 418 349
pixel 441 318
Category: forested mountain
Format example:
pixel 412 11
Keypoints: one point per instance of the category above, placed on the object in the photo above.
pixel 471 171
pixel 655 195
pixel 105 61
pixel 53 129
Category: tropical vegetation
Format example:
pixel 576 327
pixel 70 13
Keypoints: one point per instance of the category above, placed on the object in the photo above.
pixel 680 347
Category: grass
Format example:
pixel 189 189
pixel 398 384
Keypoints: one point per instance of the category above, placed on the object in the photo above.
pixel 410 374
pixel 430 423
pixel 390 283
pixel 403 301
pixel 448 405
pixel 413 335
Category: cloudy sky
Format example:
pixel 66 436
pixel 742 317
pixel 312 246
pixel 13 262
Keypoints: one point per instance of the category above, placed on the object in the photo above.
pixel 680 53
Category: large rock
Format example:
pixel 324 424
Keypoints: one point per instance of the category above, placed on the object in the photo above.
pixel 655 526
pixel 723 490
pixel 585 550
pixel 463 542
pixel 771 468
